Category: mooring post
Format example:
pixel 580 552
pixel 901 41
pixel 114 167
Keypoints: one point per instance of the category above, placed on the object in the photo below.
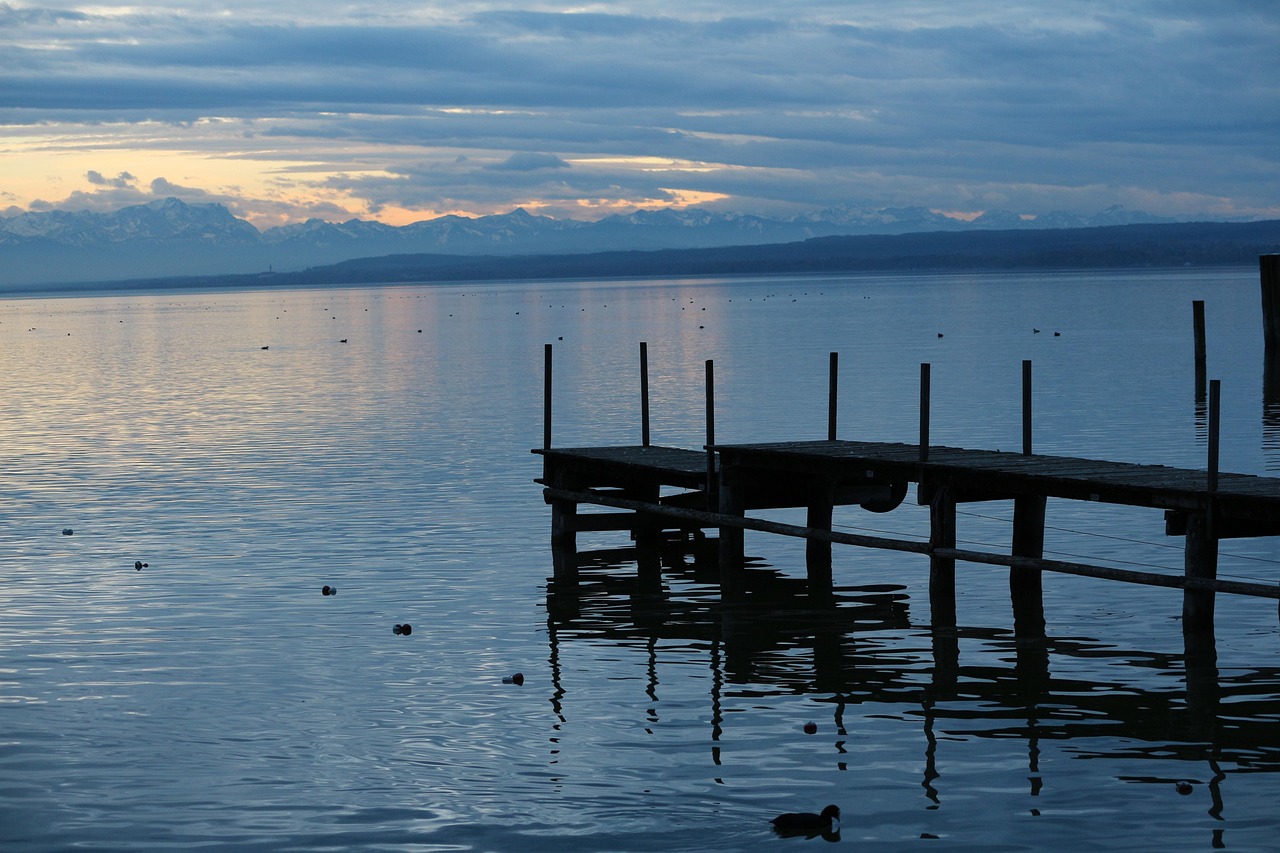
pixel 818 551
pixel 644 394
pixel 1269 266
pixel 731 501
pixel 1025 584
pixel 647 532
pixel 546 397
pixel 923 488
pixel 924 413
pixel 832 384
pixel 1215 414
pixel 564 522
pixel 1200 561
pixel 1026 407
pixel 712 483
pixel 1201 550
pixel 942 570
pixel 1197 314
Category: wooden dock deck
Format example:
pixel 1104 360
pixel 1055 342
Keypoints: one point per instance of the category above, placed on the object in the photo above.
pixel 661 488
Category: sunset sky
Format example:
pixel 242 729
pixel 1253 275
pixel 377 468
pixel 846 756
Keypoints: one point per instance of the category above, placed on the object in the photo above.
pixel 401 111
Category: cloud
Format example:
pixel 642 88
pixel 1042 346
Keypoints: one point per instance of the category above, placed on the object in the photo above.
pixel 120 181
pixel 875 104
pixel 528 162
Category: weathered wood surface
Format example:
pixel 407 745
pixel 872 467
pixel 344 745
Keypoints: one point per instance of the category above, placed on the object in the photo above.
pixel 652 464
pixel 1238 496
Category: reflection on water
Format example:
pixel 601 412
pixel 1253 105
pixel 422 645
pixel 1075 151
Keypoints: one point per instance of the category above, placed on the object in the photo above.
pixel 1193 727
pixel 216 699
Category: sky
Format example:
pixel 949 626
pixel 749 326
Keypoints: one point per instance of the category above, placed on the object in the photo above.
pixel 402 111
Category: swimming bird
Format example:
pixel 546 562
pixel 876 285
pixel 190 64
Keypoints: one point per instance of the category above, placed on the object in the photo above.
pixel 808 823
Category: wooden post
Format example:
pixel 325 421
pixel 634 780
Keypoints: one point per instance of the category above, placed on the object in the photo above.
pixel 924 413
pixel 1200 557
pixel 924 492
pixel 546 397
pixel 832 382
pixel 1200 561
pixel 1197 314
pixel 712 483
pixel 644 394
pixel 1025 587
pixel 1269 266
pixel 942 571
pixel 1026 407
pixel 564 535
pixel 818 551
pixel 731 501
pixel 647 532
pixel 1215 414
pixel 1025 584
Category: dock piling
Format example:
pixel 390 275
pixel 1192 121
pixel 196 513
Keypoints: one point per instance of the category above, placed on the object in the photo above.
pixel 1025 584
pixel 1197 313
pixel 644 394
pixel 1269 267
pixel 1201 551
pixel 833 383
pixel 924 412
pixel 818 551
pixel 711 428
pixel 546 397
pixel 942 570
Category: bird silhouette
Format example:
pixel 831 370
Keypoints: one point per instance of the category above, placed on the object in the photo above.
pixel 808 824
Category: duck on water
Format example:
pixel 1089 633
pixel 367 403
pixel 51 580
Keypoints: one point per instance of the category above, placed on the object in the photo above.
pixel 808 824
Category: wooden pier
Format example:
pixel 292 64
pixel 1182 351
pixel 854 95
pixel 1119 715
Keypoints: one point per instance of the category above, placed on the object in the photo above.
pixel 821 475
pixel 657 489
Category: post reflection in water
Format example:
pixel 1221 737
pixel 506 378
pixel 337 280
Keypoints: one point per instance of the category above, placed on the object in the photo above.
pixel 864 650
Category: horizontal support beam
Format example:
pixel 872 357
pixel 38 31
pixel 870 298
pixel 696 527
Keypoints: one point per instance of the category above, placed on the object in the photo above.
pixel 593 521
pixel 716 519
pixel 1175 524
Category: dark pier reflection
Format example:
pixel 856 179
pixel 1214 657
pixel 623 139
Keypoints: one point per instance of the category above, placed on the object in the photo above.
pixel 863 648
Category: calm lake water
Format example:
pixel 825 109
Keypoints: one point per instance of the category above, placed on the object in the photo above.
pixel 215 699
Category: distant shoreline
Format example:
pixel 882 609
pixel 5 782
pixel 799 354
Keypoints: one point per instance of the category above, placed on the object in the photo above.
pixel 1125 247
pixel 182 286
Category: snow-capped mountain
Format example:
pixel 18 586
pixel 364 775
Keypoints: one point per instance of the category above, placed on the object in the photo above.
pixel 169 237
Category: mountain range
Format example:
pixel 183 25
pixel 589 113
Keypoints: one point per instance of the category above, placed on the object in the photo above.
pixel 169 237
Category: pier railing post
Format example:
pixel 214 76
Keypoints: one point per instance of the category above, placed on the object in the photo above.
pixel 644 394
pixel 731 501
pixel 1197 318
pixel 1025 584
pixel 923 488
pixel 712 484
pixel 818 551
pixel 547 396
pixel 832 386
pixel 942 570
pixel 1269 267
pixel 924 413
pixel 1201 550
pixel 1215 413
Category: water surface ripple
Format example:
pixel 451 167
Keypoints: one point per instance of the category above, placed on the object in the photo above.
pixel 252 447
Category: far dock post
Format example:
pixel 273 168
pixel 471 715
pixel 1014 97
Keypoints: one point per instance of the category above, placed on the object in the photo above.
pixel 1269 266
pixel 644 394
pixel 832 394
pixel 942 522
pixel 1025 584
pixel 1201 553
pixel 1197 314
